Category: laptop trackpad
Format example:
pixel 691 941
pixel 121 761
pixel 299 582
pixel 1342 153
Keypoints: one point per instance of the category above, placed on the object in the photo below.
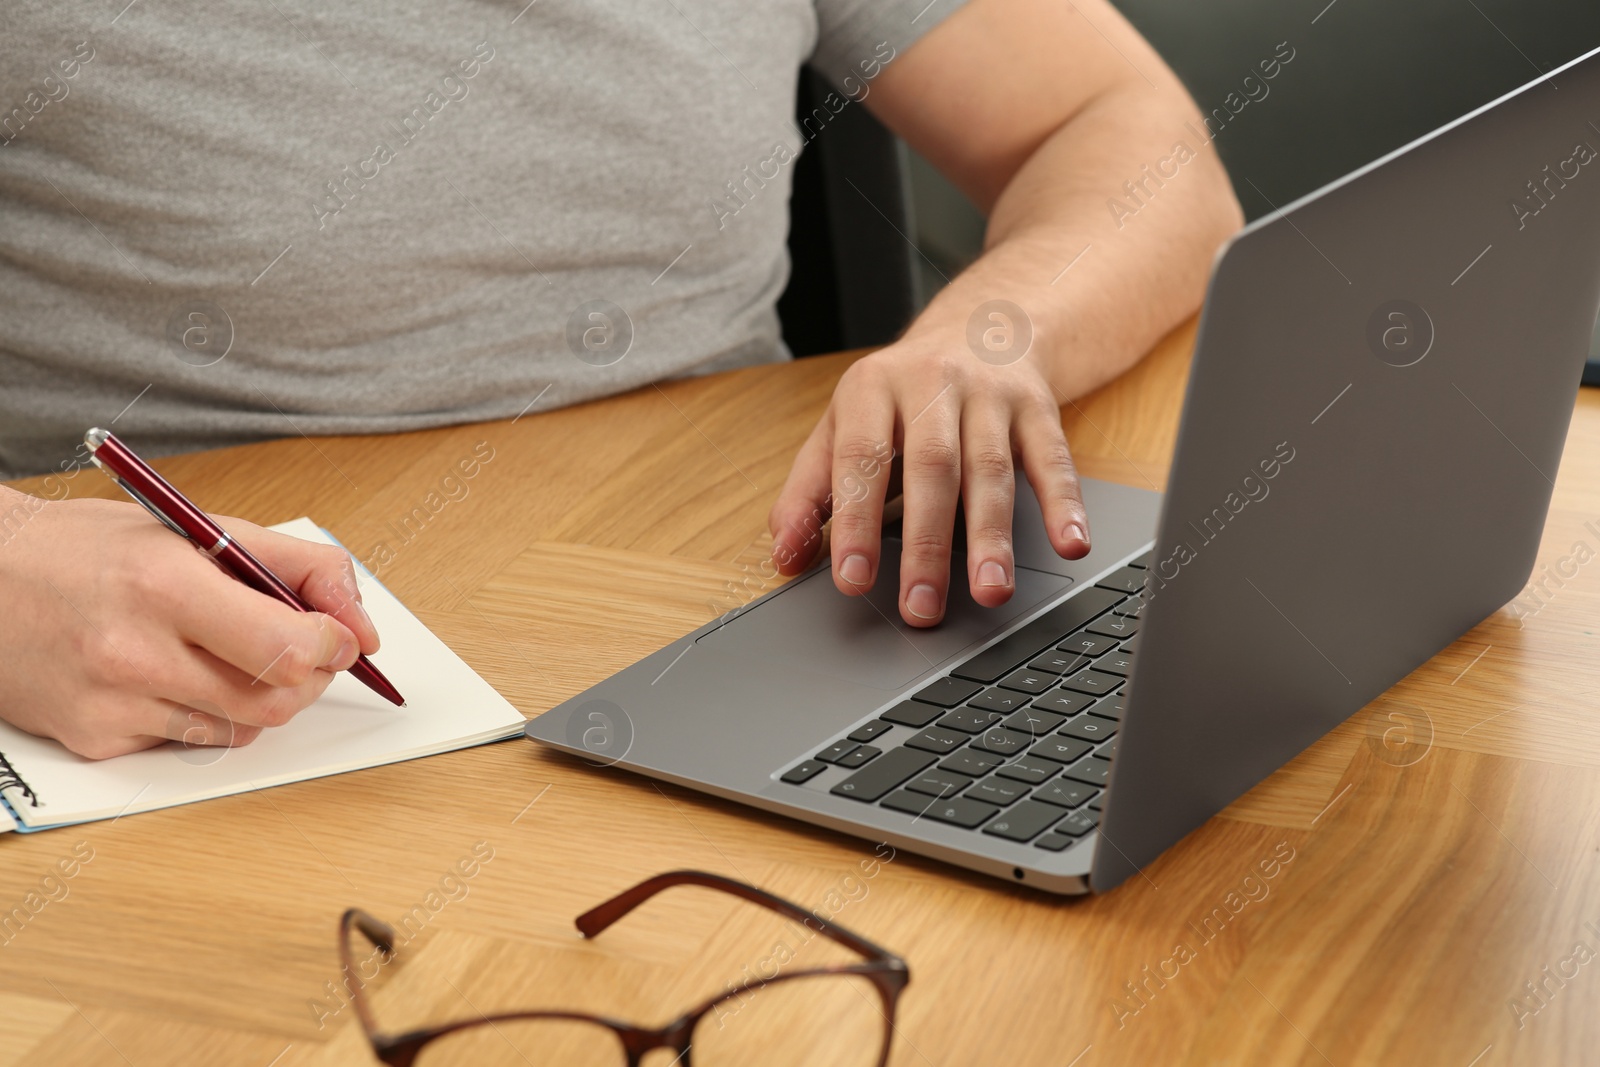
pixel 812 626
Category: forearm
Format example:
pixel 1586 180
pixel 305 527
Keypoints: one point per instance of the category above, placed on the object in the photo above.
pixel 1102 269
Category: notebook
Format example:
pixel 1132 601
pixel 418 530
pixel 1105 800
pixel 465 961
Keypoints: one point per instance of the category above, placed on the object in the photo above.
pixel 448 706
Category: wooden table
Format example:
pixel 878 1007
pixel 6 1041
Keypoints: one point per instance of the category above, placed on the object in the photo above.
pixel 1432 874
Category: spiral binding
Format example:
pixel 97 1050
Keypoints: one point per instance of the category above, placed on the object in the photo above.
pixel 10 779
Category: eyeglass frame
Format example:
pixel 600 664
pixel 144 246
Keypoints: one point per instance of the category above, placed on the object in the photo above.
pixel 888 973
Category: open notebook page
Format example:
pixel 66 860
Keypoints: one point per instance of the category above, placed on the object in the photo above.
pixel 350 727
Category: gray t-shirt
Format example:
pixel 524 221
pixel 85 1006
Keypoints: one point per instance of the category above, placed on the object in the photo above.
pixel 240 219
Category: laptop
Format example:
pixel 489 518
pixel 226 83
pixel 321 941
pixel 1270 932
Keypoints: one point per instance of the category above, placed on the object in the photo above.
pixel 1380 393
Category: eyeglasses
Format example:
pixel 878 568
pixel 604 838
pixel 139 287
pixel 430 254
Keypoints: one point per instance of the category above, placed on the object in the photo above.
pixel 775 1021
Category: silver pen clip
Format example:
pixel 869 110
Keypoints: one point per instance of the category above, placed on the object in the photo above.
pixel 152 509
pixel 140 497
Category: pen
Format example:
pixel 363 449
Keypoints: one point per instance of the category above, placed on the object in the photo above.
pixel 177 514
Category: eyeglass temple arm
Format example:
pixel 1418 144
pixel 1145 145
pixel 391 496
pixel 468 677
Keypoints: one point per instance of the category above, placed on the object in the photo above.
pixel 381 934
pixel 592 922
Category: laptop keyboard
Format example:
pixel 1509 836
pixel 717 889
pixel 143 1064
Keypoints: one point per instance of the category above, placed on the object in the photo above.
pixel 1017 741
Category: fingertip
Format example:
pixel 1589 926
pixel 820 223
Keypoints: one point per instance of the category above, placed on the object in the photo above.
pixel 991 584
pixel 856 569
pixel 794 548
pixel 365 630
pixel 340 645
pixel 991 598
pixel 1074 541
pixel 922 605
pixel 785 555
pixel 341 600
pixel 853 573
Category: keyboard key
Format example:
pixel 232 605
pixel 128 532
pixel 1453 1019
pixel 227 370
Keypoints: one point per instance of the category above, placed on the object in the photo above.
pixel 1127 580
pixel 998 659
pixel 998 791
pixel 1027 769
pixel 958 811
pixel 1078 823
pixel 883 774
pixel 972 763
pixel 1028 680
pixel 1093 770
pixel 1063 702
pixel 1142 562
pixel 1097 804
pixel 1057 661
pixel 1024 822
pixel 938 783
pixel 1061 749
pixel 859 756
pixel 1055 842
pixel 1089 728
pixel 1092 682
pixel 1034 721
pixel 1001 700
pixel 1110 708
pixel 1118 662
pixel 1086 644
pixel 1131 645
pixel 938 740
pixel 970 720
pixel 1001 741
pixel 837 751
pixel 1132 608
pixel 1118 626
pixel 803 772
pixel 947 692
pixel 867 731
pixel 1067 794
pixel 911 713
pixel 1108 750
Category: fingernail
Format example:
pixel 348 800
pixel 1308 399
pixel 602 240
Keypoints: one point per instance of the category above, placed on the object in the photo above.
pixel 1077 533
pixel 923 602
pixel 364 616
pixel 855 570
pixel 991 573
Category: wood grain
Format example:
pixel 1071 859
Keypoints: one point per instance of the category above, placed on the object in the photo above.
pixel 1424 885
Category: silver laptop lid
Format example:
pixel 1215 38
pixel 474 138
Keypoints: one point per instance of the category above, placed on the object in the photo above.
pixel 1381 390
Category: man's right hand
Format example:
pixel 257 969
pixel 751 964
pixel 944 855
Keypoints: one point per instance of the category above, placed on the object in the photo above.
pixel 117 635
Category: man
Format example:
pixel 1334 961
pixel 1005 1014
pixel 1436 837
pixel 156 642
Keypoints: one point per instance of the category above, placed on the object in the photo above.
pixel 237 220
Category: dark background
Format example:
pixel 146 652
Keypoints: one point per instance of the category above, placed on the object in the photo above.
pixel 1368 76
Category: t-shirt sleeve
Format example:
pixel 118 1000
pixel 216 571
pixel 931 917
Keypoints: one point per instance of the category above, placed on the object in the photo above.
pixel 856 39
